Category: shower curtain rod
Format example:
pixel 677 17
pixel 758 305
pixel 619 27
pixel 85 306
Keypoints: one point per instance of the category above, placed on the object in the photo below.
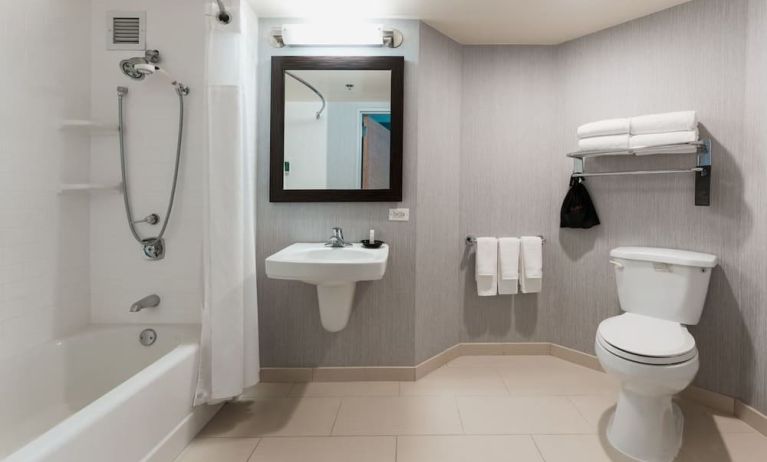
pixel 223 15
pixel 317 92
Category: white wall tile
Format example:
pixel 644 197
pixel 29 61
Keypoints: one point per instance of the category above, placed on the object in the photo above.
pixel 43 236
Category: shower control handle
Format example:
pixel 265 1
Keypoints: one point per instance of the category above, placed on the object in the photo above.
pixel 151 219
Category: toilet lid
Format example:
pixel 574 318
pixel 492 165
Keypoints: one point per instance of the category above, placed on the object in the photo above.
pixel 657 340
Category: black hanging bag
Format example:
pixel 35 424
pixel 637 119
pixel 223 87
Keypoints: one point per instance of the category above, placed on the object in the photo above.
pixel 577 209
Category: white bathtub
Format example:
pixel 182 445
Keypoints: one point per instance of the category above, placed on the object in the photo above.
pixel 102 396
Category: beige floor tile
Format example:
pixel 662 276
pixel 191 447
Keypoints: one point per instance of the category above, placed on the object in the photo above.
pixel 326 449
pixel 400 415
pixel 594 408
pixel 583 448
pixel 277 416
pixel 457 381
pixel 265 391
pixel 727 447
pixel 536 375
pixel 467 449
pixel 345 389
pixel 521 415
pixel 219 450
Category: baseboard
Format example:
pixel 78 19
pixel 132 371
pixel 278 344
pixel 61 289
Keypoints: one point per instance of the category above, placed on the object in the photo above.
pixel 751 416
pixel 711 399
pixel 175 441
pixel 400 373
pixel 577 357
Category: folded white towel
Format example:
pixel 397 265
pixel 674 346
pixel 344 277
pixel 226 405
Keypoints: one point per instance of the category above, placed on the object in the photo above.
pixel 487 266
pixel 660 139
pixel 604 128
pixel 508 265
pixel 531 264
pixel 664 123
pixel 604 143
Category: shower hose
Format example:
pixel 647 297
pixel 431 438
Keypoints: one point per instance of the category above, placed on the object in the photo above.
pixel 126 195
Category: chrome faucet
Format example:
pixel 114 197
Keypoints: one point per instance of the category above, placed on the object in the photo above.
pixel 150 301
pixel 337 239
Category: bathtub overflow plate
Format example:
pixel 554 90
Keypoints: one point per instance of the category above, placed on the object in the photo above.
pixel 147 337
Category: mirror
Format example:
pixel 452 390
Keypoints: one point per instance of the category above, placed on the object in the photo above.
pixel 336 129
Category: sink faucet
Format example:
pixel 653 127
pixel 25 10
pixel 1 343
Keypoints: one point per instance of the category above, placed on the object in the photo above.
pixel 150 301
pixel 337 239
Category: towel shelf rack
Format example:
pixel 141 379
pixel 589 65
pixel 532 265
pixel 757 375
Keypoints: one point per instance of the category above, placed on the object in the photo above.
pixel 471 240
pixel 702 170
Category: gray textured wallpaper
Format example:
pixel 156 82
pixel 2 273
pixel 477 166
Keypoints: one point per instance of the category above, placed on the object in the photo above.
pixel 500 169
pixel 381 328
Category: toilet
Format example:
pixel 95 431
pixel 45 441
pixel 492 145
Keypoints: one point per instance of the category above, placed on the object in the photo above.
pixel 648 348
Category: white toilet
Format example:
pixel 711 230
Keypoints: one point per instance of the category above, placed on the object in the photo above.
pixel 649 349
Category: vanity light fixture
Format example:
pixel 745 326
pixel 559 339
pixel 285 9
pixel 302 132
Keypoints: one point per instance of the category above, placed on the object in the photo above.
pixel 328 35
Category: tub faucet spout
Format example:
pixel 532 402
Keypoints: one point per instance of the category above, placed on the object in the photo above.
pixel 150 301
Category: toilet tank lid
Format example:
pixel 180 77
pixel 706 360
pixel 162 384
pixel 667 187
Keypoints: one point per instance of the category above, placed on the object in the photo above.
pixel 669 256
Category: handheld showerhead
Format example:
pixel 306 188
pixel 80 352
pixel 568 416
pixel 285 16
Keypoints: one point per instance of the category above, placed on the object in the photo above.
pixel 136 68
pixel 139 67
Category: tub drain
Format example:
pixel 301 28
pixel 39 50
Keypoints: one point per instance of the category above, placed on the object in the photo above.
pixel 147 337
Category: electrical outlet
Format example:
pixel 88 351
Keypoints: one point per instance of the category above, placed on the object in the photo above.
pixel 399 214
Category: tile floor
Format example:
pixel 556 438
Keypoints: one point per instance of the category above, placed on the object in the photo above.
pixel 476 408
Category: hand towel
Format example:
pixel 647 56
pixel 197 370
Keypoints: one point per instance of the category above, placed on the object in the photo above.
pixel 604 128
pixel 660 139
pixel 664 123
pixel 604 143
pixel 508 265
pixel 487 266
pixel 531 264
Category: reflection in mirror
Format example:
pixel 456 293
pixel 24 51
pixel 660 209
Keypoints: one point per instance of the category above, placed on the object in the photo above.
pixel 337 129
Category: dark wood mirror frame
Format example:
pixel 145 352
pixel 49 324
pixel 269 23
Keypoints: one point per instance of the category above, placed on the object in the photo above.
pixel 277 193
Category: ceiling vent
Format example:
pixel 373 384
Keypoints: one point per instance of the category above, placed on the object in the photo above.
pixel 126 30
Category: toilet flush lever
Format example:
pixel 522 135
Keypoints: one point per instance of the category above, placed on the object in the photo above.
pixel 617 264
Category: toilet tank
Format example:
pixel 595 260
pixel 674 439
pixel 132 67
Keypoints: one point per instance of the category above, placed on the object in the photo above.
pixel 663 283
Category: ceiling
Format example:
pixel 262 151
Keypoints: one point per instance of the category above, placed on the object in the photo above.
pixel 365 86
pixel 480 22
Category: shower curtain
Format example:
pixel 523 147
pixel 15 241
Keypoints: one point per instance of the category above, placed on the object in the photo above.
pixel 229 359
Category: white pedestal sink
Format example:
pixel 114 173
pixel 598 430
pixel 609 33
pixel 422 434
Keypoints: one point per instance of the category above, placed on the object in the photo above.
pixel 335 272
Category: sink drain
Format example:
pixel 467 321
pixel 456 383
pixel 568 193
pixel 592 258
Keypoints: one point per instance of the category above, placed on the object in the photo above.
pixel 147 337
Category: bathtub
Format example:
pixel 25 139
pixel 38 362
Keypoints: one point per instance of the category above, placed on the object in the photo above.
pixel 101 395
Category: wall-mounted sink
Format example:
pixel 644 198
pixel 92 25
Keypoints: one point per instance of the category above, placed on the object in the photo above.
pixel 335 272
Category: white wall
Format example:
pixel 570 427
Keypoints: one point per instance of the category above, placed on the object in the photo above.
pixel 306 146
pixel 120 273
pixel 43 236
pixel 345 141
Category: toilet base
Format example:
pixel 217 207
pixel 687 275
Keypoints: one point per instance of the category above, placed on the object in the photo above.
pixel 646 428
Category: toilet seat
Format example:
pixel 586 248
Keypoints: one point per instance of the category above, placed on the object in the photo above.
pixel 646 340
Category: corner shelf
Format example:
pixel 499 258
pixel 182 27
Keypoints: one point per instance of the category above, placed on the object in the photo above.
pixel 89 187
pixel 88 126
pixel 702 169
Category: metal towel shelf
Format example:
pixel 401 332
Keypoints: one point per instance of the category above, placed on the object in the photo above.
pixel 702 170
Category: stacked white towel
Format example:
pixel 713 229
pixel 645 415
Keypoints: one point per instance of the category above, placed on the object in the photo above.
pixel 508 265
pixel 607 127
pixel 662 129
pixel 683 121
pixel 639 132
pixel 486 271
pixel 610 134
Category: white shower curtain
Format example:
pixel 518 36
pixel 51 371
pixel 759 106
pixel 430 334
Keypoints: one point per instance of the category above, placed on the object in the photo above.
pixel 229 359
